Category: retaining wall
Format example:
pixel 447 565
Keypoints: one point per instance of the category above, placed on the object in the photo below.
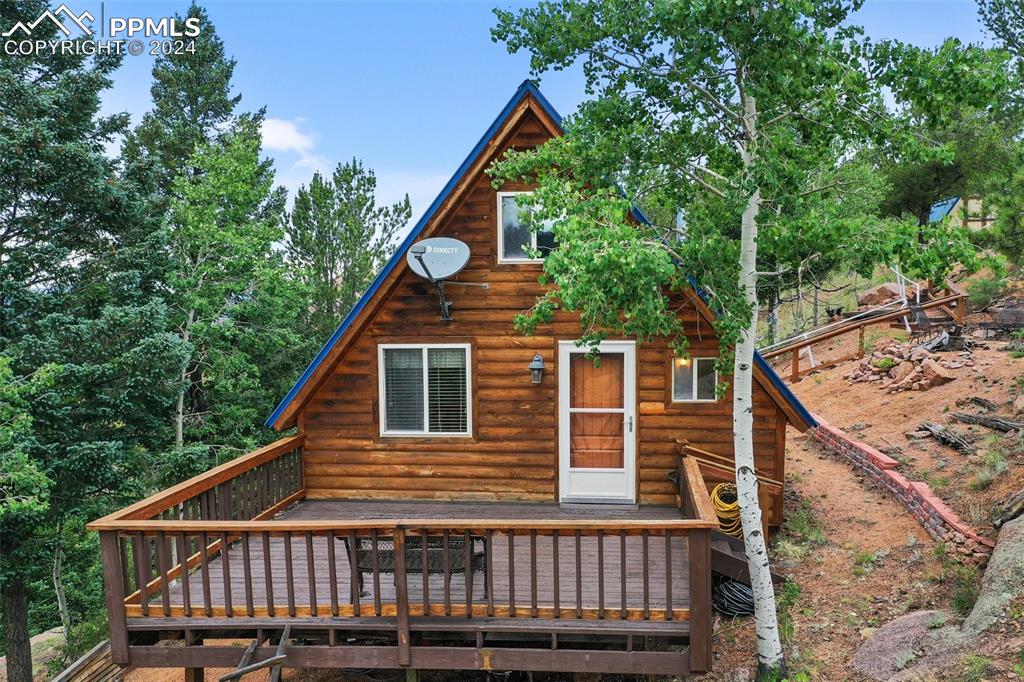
pixel 941 522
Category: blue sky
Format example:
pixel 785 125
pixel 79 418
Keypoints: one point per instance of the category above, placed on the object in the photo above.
pixel 407 87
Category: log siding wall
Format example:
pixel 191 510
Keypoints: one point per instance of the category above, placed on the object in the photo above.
pixel 512 452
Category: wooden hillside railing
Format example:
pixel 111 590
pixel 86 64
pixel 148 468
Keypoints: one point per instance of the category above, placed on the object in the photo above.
pixel 951 300
pixel 208 553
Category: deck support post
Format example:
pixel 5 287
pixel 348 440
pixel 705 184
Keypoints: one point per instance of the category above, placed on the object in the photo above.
pixel 700 599
pixel 113 581
pixel 194 674
pixel 412 675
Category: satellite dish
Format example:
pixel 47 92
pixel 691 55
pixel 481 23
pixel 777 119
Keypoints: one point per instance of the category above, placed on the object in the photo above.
pixel 438 258
pixel 435 260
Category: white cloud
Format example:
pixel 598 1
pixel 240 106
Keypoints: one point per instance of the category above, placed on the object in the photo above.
pixel 284 136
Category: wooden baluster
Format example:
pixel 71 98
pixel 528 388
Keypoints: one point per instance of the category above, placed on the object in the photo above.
pixel 424 564
pixel 162 568
pixel 122 549
pixel 401 588
pixel 142 564
pixel 204 567
pixel 555 571
pixel 376 571
pixel 227 512
pixel 289 573
pixel 354 574
pixel 447 571
pixel 268 573
pixel 468 563
pixel 332 571
pixel 600 573
pixel 647 582
pixel 668 574
pixel 579 576
pixel 512 573
pixel 622 574
pixel 533 572
pixel 247 574
pixel 226 565
pixel 489 577
pixel 268 492
pixel 311 571
pixel 186 594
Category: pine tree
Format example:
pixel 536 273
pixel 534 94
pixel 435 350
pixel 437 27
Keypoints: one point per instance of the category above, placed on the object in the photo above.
pixel 339 238
pixel 192 103
pixel 81 261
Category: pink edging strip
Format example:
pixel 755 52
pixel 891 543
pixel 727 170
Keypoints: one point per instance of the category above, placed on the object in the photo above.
pixel 912 495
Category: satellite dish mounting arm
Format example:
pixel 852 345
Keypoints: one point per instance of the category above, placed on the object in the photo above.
pixel 446 305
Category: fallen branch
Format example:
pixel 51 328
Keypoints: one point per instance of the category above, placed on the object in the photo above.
pixel 995 423
pixel 950 437
pixel 1012 507
pixel 983 403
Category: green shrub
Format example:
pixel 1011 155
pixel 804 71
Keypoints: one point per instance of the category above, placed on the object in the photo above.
pixel 982 292
pixel 884 363
pixel 965 589
pixel 976 668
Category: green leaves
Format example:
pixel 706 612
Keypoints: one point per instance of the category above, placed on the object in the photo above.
pixel 667 125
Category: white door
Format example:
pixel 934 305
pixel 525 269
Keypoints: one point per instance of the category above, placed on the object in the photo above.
pixel 597 421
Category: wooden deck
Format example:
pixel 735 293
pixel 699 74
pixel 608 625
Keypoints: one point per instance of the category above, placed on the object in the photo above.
pixel 242 552
pixel 514 581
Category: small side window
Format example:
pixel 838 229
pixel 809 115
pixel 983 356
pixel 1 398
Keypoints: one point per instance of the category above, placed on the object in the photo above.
pixel 694 380
pixel 516 241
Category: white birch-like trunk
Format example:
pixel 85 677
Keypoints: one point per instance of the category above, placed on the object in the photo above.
pixel 62 600
pixel 769 646
pixel 179 407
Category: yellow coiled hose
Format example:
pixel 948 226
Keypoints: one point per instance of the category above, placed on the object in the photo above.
pixel 727 507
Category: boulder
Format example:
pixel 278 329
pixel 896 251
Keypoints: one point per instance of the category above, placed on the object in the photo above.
pixel 1018 404
pixel 935 374
pixel 919 354
pixel 1003 582
pixel 902 371
pixel 880 294
pixel 894 645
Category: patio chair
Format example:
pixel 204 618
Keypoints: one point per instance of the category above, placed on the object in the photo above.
pixel 414 560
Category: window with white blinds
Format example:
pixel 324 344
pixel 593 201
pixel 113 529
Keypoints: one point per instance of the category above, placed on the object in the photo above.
pixel 424 389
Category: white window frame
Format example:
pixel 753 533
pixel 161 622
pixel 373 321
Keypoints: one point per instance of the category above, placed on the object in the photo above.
pixel 501 234
pixel 382 394
pixel 695 399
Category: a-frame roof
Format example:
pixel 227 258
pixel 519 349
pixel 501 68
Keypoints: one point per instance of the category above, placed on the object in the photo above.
pixel 527 99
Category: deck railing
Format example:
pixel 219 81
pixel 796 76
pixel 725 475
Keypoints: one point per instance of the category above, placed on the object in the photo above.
pixel 207 553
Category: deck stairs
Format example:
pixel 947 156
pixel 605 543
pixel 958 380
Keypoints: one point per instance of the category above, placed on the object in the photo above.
pixel 729 560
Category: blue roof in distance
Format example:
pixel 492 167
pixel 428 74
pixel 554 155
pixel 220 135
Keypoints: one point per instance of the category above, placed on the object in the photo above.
pixel 941 209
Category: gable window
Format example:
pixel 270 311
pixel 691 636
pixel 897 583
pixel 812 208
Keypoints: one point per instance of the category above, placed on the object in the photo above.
pixel 694 380
pixel 516 241
pixel 424 390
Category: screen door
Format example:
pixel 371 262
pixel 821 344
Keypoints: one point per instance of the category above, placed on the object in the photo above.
pixel 597 415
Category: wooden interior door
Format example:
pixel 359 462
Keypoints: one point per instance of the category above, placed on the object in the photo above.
pixel 597 420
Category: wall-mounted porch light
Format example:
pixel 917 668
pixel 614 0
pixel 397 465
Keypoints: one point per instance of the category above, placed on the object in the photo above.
pixel 537 368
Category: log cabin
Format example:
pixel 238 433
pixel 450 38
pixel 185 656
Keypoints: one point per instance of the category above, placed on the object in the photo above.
pixel 453 494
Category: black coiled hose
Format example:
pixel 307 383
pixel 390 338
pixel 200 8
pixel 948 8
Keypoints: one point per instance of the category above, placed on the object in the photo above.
pixel 732 598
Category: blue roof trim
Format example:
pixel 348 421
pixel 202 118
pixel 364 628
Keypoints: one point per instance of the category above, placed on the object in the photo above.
pixel 526 88
pixel 941 209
